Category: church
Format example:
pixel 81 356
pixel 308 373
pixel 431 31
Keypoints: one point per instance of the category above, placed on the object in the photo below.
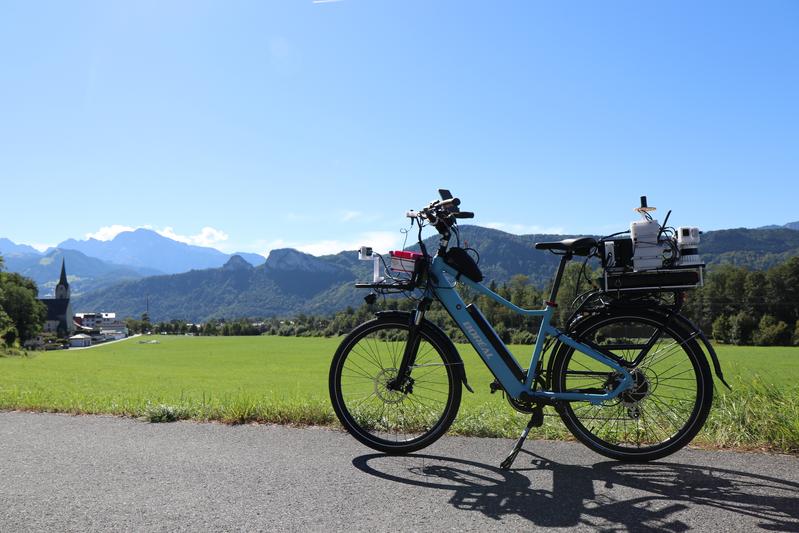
pixel 59 311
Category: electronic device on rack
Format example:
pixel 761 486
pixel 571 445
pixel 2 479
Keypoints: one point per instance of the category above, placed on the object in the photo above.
pixel 652 257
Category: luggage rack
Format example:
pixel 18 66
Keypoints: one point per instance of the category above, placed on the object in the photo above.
pixel 392 286
pixel 664 279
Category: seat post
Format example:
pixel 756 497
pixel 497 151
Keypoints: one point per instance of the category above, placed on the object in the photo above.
pixel 555 286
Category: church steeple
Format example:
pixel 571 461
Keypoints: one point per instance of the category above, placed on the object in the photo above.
pixel 62 289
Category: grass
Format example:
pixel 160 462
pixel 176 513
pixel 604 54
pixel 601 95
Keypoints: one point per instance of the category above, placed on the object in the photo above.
pixel 284 380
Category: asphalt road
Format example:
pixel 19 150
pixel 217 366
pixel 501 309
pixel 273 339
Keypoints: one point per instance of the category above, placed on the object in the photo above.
pixel 77 473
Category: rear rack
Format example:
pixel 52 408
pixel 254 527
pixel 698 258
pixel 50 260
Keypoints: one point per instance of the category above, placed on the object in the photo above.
pixel 665 279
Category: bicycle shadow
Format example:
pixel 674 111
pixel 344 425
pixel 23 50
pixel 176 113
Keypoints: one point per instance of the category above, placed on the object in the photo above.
pixel 668 489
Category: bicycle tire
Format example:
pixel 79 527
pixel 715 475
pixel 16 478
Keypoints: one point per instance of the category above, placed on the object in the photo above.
pixel 394 422
pixel 666 406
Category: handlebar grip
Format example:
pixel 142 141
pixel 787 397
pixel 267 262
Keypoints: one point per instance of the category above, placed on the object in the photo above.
pixel 451 202
pixel 463 214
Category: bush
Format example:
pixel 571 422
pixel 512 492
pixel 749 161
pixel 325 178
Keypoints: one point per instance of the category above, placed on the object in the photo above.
pixel 741 327
pixel 522 337
pixel 165 413
pixel 771 332
pixel 721 329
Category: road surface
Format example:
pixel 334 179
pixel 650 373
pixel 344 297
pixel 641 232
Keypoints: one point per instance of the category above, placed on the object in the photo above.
pixel 90 473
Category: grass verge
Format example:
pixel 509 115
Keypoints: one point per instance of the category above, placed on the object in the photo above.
pixel 284 381
pixel 752 416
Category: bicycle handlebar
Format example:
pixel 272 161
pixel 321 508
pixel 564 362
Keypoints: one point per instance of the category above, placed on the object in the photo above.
pixel 441 214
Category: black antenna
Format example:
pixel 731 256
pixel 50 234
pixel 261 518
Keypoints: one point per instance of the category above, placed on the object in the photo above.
pixel 663 226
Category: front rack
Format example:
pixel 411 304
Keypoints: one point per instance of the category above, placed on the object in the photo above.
pixel 393 286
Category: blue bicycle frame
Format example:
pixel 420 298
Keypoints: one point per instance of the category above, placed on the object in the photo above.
pixel 443 287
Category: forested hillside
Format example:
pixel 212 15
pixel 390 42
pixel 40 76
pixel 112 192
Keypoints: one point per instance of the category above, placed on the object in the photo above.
pixel 291 282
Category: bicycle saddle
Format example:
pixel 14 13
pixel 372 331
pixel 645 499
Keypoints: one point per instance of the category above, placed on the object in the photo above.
pixel 578 246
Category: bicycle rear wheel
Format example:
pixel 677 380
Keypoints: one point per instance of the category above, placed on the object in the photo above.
pixel 665 407
pixel 394 421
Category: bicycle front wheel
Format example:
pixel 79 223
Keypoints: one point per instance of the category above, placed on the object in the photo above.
pixel 367 401
pixel 666 405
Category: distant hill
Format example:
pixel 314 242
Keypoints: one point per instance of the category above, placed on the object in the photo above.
pixel 756 249
pixel 146 248
pixel 83 272
pixel 291 282
pixel 789 225
pixel 288 282
pixel 9 248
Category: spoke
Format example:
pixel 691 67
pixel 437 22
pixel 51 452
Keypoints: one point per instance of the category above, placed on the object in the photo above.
pixel 670 386
pixel 676 376
pixel 436 391
pixel 422 376
pixel 363 372
pixel 364 400
pixel 356 375
pixel 369 356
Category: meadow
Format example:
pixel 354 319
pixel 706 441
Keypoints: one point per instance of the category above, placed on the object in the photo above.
pixel 284 380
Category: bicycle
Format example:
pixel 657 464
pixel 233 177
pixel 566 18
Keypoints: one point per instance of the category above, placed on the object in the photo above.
pixel 629 375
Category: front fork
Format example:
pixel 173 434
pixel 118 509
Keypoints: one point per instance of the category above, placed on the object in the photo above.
pixel 403 382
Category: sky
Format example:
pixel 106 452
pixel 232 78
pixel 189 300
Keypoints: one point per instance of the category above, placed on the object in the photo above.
pixel 250 126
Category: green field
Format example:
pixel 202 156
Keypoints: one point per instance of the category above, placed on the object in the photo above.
pixel 284 380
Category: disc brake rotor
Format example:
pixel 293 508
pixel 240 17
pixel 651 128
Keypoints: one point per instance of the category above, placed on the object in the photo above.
pixel 382 379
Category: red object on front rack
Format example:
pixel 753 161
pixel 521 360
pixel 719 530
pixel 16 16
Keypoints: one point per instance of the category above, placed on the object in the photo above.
pixel 402 261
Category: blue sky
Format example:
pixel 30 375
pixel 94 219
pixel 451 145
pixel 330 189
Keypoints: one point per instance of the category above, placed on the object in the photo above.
pixel 255 125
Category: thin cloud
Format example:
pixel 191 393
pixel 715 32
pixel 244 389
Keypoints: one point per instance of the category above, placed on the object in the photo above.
pixel 41 247
pixel 350 215
pixel 381 241
pixel 106 233
pixel 207 236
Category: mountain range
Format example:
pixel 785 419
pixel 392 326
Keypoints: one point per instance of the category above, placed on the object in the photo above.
pixel 146 248
pixel 94 264
pixel 141 271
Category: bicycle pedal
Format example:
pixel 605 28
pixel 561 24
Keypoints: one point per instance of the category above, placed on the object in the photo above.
pixel 537 417
pixel 495 386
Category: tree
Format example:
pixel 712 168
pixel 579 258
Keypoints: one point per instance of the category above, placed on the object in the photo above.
pixel 721 329
pixel 19 303
pixel 146 326
pixel 784 290
pixel 755 293
pixel 741 327
pixel 772 332
pixel 6 324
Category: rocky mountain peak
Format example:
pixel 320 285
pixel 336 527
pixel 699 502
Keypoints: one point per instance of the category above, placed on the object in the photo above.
pixel 289 259
pixel 237 262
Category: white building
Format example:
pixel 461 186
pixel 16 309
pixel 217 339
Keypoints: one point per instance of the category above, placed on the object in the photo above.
pixel 81 340
pixel 107 323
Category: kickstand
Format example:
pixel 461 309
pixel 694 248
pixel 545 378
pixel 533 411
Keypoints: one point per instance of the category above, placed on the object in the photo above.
pixel 537 420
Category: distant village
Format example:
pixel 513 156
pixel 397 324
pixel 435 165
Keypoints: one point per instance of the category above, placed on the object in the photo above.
pixel 79 329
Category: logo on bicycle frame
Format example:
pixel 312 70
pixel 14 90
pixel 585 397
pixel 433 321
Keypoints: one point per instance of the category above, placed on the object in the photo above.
pixel 477 340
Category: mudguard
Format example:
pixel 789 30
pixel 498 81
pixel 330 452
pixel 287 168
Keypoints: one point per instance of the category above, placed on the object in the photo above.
pixel 442 337
pixel 706 342
pixel 668 315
